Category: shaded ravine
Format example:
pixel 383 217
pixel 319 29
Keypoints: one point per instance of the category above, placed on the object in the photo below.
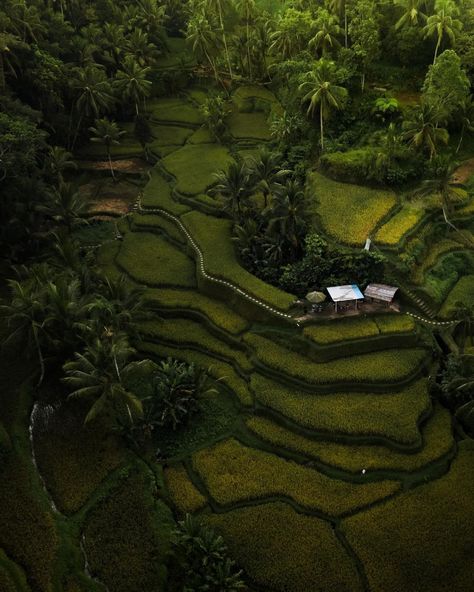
pixel 36 416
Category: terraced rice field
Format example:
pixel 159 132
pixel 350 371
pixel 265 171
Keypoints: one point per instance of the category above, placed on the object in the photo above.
pixel 333 466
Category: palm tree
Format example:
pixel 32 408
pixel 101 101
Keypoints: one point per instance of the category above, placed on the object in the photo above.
pixel 94 94
pixel 98 375
pixel 107 133
pixel 287 215
pixel 115 37
pixel 24 317
pixel 412 14
pixel 442 24
pixel 201 35
pixel 64 206
pixel 442 186
pixel 247 8
pixel 422 130
pixel 339 7
pixel 267 172
pixel 321 91
pixel 8 43
pixel 325 38
pixel 235 185
pixel 140 47
pixel 216 6
pixel 58 161
pixel 131 81
pixel 466 113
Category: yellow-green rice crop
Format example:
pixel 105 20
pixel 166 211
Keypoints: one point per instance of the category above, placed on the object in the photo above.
pixel 285 551
pixel 233 472
pixel 393 416
pixel 438 441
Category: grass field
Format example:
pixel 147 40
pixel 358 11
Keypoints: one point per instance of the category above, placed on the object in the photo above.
pixel 347 212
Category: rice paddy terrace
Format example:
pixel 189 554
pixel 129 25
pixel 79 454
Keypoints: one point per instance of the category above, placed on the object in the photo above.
pixel 327 467
pixel 322 459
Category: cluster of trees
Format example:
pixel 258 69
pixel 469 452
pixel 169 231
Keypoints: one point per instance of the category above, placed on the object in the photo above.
pixel 457 386
pixel 268 206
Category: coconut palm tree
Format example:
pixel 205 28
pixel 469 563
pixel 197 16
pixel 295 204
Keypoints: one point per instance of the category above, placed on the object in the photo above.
pixel 287 214
pixel 235 185
pixel 64 206
pixel 24 318
pixel 98 375
pixel 93 94
pixel 247 9
pixel 412 14
pixel 322 92
pixel 139 46
pixel 325 38
pixel 131 82
pixel 442 186
pixel 267 172
pixel 339 8
pixel 108 133
pixel 8 43
pixel 216 7
pixel 422 130
pixel 442 24
pixel 57 162
pixel 200 34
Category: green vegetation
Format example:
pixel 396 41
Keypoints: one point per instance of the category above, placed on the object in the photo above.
pixel 183 493
pixel 393 231
pixel 383 366
pixel 399 527
pixel 349 213
pixel 163 265
pixel 392 416
pixel 217 312
pixel 277 546
pixel 132 521
pixel 233 472
pixel 358 328
pixel 438 442
pixel 194 166
pixel 461 293
pixel 173 174
pixel 206 231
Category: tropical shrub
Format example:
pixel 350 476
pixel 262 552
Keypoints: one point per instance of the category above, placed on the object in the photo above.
pixel 323 266
pixel 175 391
pixel 203 560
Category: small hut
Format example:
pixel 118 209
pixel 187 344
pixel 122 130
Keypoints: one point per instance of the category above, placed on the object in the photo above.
pixel 380 293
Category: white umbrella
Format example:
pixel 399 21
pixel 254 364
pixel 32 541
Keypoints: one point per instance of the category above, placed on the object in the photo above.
pixel 315 297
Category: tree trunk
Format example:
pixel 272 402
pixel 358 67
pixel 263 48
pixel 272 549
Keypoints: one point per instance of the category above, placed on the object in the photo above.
pixel 2 74
pixel 213 66
pixel 40 357
pixel 460 139
pixel 225 42
pixel 447 221
pixel 362 82
pixel 321 125
pixel 345 25
pixel 110 163
pixel 248 47
pixel 436 49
